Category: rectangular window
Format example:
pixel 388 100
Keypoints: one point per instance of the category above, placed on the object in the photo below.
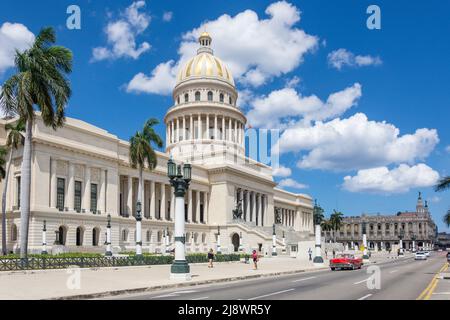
pixel 61 183
pixel 93 197
pixel 18 192
pixel 77 196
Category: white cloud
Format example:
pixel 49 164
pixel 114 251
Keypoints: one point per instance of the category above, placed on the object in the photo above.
pixel 290 183
pixel 342 57
pixel 447 149
pixel 161 80
pixel 254 49
pixel 122 34
pixel 13 36
pixel 435 199
pixel 287 105
pixel 356 143
pixel 398 180
pixel 282 172
pixel 167 16
pixel 293 82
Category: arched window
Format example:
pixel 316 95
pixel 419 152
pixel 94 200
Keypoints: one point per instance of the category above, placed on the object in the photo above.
pixel 178 100
pixel 188 237
pixel 203 237
pixel 197 96
pixel 221 97
pixel 95 236
pixel 159 236
pixel 62 236
pixel 186 98
pixel 79 241
pixel 196 237
pixel 149 235
pixel 210 96
pixel 13 232
pixel 230 100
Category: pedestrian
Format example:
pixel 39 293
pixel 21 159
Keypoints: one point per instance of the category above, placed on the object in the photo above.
pixel 334 254
pixel 310 254
pixel 255 260
pixel 210 258
pixel 326 254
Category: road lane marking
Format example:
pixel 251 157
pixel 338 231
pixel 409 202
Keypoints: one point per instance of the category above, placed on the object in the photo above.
pixel 202 298
pixel 304 279
pixel 166 296
pixel 443 293
pixel 393 271
pixel 271 294
pixel 365 297
pixel 365 280
pixel 426 294
pixel 186 291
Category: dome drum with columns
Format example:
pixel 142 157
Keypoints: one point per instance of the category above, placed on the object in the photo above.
pixel 205 122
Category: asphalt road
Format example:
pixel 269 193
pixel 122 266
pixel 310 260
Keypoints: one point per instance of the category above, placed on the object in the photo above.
pixel 399 279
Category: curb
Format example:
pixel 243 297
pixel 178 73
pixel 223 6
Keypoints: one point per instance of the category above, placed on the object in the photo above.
pixel 178 285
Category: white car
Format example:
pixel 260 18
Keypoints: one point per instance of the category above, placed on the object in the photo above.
pixel 427 253
pixel 420 256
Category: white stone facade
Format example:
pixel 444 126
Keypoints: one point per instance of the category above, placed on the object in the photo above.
pixel 81 173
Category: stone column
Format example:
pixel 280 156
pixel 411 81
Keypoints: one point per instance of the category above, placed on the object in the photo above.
pixel 197 207
pixel 130 196
pixel 229 130
pixel 53 184
pixel 222 137
pixel 172 204
pixel 191 127
pixel 102 202
pixel 199 128
pixel 260 209
pixel 152 200
pixel 184 128
pixel 205 207
pixel 241 197
pixel 254 206
pixel 71 187
pixel 172 140
pixel 163 201
pixel 235 131
pixel 190 211
pixel 247 205
pixel 215 127
pixel 208 135
pixel 87 189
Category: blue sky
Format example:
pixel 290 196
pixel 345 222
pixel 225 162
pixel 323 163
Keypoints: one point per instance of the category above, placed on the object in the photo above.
pixel 397 75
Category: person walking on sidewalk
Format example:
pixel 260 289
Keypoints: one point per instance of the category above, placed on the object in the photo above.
pixel 310 254
pixel 210 258
pixel 255 260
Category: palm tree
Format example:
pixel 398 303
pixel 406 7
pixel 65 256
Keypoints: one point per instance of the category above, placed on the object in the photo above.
pixel 326 226
pixel 13 141
pixel 141 150
pixel 318 215
pixel 443 184
pixel 447 219
pixel 40 84
pixel 336 222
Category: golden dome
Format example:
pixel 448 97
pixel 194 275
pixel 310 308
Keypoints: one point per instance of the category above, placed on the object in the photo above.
pixel 205 65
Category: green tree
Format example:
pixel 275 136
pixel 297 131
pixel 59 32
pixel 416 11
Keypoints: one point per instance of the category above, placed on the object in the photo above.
pixel 336 222
pixel 443 184
pixel 14 140
pixel 318 214
pixel 39 84
pixel 326 226
pixel 447 218
pixel 142 154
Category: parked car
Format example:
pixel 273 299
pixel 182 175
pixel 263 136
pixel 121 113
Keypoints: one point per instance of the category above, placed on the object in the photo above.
pixel 448 256
pixel 346 261
pixel 420 255
pixel 427 253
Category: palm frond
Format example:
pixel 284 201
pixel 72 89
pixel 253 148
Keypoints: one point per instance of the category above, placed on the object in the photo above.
pixel 443 184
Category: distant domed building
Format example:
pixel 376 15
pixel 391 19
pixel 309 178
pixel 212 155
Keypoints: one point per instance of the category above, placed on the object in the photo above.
pixel 82 173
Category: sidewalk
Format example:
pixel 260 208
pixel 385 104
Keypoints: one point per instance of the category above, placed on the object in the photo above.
pixel 92 283
pixel 52 284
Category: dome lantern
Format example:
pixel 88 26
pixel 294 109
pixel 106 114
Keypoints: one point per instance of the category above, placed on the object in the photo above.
pixel 205 43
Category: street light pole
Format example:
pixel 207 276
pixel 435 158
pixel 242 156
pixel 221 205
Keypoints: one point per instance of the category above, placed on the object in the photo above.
pixel 138 230
pixel 44 238
pixel 400 236
pixel 365 255
pixel 180 269
pixel 219 249
pixel 240 242
pixel 108 252
pixel 318 217
pixel 274 242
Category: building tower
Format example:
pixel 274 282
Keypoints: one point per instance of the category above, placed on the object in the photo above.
pixel 205 125
pixel 420 207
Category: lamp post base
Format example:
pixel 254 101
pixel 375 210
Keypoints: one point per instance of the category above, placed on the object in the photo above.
pixel 318 260
pixel 108 254
pixel 44 252
pixel 274 254
pixel 180 267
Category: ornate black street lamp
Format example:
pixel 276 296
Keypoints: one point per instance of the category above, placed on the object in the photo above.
pixel 318 217
pixel 138 229
pixel 274 242
pixel 219 249
pixel 401 236
pixel 108 252
pixel 413 238
pixel 44 238
pixel 180 179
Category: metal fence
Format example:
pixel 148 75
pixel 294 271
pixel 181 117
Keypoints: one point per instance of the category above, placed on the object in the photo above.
pixel 36 263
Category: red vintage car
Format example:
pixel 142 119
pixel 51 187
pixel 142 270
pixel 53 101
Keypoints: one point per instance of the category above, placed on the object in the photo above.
pixel 346 261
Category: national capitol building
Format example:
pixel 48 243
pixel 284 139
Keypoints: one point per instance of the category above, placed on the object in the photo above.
pixel 82 173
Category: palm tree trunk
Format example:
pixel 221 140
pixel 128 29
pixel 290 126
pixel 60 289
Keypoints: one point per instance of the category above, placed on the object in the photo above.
pixel 139 197
pixel 5 188
pixel 25 185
